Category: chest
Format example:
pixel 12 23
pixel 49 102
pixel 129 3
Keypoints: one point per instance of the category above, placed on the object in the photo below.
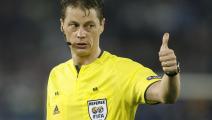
pixel 88 94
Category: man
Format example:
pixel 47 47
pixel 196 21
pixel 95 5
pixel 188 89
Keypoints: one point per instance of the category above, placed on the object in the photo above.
pixel 96 85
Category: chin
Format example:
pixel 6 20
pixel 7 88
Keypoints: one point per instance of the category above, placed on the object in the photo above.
pixel 82 52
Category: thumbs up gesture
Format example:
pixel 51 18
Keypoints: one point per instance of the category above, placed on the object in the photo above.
pixel 167 57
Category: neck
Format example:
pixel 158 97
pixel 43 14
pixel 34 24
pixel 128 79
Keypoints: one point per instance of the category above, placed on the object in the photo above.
pixel 83 60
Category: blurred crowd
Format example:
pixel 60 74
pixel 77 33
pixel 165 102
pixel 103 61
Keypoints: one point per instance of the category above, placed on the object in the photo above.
pixel 31 44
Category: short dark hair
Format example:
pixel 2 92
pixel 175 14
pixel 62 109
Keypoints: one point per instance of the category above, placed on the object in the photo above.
pixel 83 4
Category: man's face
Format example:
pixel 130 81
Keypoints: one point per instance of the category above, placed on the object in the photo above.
pixel 82 29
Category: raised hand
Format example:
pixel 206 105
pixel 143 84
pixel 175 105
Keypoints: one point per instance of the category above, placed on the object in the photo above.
pixel 167 57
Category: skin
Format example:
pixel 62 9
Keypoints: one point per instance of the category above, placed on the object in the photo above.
pixel 83 29
pixel 168 89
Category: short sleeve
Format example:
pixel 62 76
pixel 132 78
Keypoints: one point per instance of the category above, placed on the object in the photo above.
pixel 142 79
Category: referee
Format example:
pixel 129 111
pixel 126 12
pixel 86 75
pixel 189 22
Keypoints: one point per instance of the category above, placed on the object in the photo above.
pixel 97 85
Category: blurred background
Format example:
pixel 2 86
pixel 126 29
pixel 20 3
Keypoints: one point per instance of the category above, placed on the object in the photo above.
pixel 31 44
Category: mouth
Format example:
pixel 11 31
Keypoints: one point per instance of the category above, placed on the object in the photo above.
pixel 81 45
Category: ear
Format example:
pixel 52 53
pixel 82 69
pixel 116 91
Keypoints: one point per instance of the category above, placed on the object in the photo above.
pixel 61 25
pixel 102 25
pixel 62 28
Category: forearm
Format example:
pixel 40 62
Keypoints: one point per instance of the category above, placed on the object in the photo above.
pixel 169 88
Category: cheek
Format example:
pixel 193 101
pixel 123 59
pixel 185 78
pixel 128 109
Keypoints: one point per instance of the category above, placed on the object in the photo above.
pixel 95 38
pixel 69 35
pixel 97 34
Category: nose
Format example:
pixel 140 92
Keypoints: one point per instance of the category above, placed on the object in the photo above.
pixel 81 33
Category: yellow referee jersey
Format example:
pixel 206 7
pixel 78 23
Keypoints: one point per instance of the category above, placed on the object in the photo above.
pixel 110 88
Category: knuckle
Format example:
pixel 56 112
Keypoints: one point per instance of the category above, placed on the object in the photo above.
pixel 164 69
pixel 163 63
pixel 161 59
pixel 174 56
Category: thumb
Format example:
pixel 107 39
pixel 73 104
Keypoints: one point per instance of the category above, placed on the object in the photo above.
pixel 165 41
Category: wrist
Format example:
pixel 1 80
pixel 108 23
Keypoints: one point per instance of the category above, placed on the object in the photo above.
pixel 172 74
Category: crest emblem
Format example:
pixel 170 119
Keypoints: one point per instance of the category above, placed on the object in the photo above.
pixel 153 77
pixel 97 109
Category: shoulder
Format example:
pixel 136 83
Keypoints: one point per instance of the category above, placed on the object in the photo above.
pixel 62 66
pixel 123 63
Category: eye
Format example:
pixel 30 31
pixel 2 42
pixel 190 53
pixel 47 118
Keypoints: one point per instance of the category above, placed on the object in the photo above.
pixel 91 25
pixel 73 25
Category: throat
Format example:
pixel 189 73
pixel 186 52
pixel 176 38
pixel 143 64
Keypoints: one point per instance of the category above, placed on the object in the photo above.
pixel 84 60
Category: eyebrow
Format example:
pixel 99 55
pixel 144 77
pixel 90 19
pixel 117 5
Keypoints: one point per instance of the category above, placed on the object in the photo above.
pixel 73 22
pixel 90 22
pixel 87 22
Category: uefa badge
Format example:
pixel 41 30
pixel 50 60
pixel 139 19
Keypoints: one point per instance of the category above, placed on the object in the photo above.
pixel 97 109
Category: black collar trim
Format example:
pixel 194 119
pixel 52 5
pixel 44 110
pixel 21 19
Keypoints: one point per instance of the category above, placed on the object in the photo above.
pixel 78 67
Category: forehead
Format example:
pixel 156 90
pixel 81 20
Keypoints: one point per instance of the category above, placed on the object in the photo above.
pixel 80 15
